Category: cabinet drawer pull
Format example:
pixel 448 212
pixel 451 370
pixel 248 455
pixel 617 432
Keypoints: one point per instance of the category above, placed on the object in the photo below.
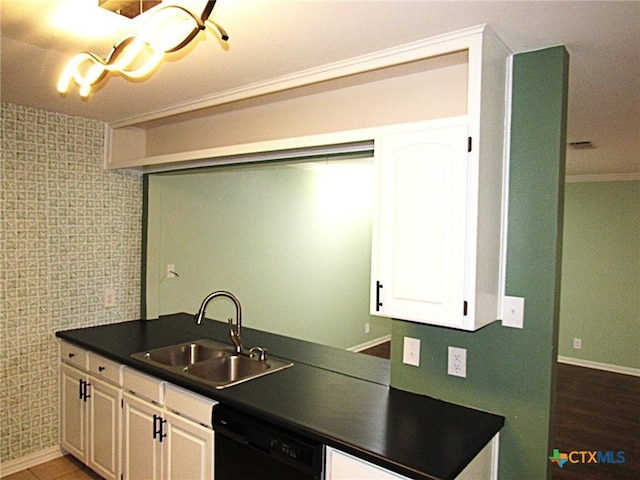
pixel 71 355
pixel 102 369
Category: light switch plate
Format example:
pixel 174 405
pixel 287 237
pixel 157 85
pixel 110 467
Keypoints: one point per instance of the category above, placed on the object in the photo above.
pixel 512 312
pixel 411 351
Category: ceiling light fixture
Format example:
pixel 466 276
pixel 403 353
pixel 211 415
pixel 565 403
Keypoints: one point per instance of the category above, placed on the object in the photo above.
pixel 166 29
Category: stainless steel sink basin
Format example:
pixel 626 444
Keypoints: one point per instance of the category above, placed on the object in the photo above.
pixel 210 362
pixel 233 369
pixel 185 353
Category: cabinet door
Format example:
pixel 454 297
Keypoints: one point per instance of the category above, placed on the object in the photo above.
pixel 419 234
pixel 142 453
pixel 103 453
pixel 188 450
pixel 73 424
pixel 341 466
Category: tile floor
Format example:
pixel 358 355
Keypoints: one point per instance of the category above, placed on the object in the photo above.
pixel 63 468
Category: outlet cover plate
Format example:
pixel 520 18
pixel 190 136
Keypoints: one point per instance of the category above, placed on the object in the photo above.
pixel 512 314
pixel 411 351
pixel 457 365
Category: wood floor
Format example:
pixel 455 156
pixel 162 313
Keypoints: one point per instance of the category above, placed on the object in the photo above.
pixel 597 411
pixel 383 350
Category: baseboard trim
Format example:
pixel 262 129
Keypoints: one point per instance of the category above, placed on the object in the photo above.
pixel 600 366
pixel 19 464
pixel 370 344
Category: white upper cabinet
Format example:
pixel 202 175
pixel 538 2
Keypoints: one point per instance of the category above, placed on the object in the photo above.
pixel 436 250
pixel 420 228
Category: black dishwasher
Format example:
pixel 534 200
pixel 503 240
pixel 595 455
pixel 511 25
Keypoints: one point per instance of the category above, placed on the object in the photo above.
pixel 248 448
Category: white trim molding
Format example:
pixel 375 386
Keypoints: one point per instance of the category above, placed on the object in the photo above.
pixel 23 463
pixel 608 177
pixel 600 366
pixel 370 344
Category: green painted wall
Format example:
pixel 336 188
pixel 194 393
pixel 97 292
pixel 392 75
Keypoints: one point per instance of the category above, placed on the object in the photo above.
pixel 292 242
pixel 601 273
pixel 512 371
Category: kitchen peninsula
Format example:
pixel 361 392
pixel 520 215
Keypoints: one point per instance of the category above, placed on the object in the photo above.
pixel 338 398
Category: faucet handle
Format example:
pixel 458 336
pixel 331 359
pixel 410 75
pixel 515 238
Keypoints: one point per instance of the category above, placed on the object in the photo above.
pixel 259 352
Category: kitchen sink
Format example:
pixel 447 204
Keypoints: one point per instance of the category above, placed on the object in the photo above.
pixel 233 369
pixel 210 362
pixel 185 353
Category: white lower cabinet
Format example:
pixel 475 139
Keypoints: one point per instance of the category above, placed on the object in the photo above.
pixel 142 445
pixel 189 449
pixel 125 425
pixel 73 416
pixel 159 440
pixel 342 466
pixel 103 455
pixel 90 418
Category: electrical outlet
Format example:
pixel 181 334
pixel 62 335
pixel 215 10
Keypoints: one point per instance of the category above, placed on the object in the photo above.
pixel 367 328
pixel 577 343
pixel 411 351
pixel 109 299
pixel 457 365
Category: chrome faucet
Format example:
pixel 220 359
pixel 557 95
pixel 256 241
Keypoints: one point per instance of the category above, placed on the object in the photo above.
pixel 234 332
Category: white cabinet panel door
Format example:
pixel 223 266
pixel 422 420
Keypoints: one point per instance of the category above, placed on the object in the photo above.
pixel 420 229
pixel 188 450
pixel 142 453
pixel 341 466
pixel 73 422
pixel 104 429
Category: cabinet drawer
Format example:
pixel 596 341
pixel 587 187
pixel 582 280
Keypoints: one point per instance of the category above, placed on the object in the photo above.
pixel 73 355
pixel 105 369
pixel 143 385
pixel 189 404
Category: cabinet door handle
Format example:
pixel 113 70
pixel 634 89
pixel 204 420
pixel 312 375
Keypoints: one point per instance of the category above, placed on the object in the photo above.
pixel 86 390
pixel 378 302
pixel 162 434
pixel 81 389
pixel 155 425
pixel 71 355
pixel 158 427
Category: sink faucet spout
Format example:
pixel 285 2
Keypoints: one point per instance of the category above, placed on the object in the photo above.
pixel 234 332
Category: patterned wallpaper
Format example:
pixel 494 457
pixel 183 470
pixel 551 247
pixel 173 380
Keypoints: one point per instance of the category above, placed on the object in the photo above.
pixel 68 231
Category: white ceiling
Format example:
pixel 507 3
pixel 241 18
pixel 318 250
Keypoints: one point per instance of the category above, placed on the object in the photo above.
pixel 272 38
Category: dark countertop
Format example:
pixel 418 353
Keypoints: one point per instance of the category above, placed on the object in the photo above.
pixel 338 397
